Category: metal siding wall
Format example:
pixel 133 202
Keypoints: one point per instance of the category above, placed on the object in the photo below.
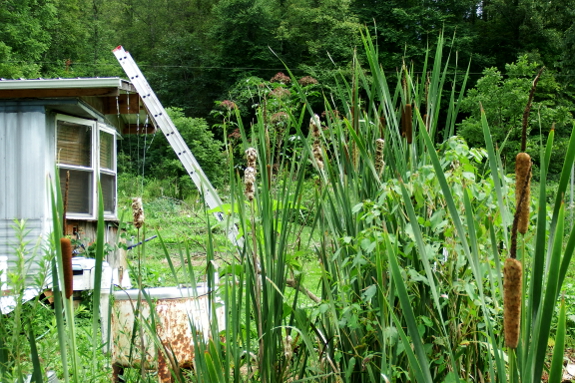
pixel 24 144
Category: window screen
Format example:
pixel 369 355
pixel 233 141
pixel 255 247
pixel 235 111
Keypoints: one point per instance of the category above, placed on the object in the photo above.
pixel 108 183
pixel 106 151
pixel 79 191
pixel 74 144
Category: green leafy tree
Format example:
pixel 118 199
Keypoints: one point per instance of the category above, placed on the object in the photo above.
pixel 316 35
pixel 243 30
pixel 24 36
pixel 10 68
pixel 201 61
pixel 504 99
pixel 82 37
pixel 405 29
pixel 511 28
pixel 154 158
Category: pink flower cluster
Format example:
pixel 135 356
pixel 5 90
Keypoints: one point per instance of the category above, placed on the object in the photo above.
pixel 281 78
pixel 228 105
pixel 280 92
pixel 307 80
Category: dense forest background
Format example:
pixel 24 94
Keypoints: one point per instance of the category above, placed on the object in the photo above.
pixel 198 52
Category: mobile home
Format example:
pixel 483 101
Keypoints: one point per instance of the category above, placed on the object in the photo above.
pixel 70 126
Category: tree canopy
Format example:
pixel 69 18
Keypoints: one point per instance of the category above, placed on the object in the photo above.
pixel 195 52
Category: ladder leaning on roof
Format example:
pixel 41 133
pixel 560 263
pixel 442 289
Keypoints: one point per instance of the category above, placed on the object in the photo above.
pixel 173 136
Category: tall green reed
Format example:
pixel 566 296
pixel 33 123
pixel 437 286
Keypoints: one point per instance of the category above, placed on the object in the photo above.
pixel 72 367
pixel 354 332
pixel 409 255
pixel 16 328
pixel 27 331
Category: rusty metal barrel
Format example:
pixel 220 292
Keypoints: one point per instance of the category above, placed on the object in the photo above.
pixel 166 336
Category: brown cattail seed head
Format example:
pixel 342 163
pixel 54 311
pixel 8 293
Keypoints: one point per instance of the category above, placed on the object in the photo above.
pixel 381 125
pixel 66 247
pixel 379 146
pixel 512 281
pixel 249 181
pixel 408 127
pixel 251 157
pixel 288 347
pixel 523 190
pixel 314 125
pixel 138 212
pixel 317 155
pixel 250 172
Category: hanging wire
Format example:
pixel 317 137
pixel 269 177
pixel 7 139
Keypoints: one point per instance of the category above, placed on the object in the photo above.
pixel 146 122
pixel 144 153
pixel 77 63
pixel 146 148
pixel 121 141
pixel 140 192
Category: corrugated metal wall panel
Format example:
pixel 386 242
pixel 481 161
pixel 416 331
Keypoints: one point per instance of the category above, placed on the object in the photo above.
pixel 30 261
pixel 24 144
pixel 23 140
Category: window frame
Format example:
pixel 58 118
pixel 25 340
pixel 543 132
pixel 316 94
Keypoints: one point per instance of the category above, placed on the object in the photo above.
pixel 109 172
pixel 95 169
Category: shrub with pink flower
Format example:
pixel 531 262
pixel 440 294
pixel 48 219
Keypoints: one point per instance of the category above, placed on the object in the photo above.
pixel 235 134
pixel 307 80
pixel 280 92
pixel 228 105
pixel 281 78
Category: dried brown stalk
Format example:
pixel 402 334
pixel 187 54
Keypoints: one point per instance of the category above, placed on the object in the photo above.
pixel 528 109
pixel 523 190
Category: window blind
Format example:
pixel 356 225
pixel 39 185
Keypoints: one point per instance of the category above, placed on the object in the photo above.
pixel 74 145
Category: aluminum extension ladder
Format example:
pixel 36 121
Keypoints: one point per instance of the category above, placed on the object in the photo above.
pixel 173 136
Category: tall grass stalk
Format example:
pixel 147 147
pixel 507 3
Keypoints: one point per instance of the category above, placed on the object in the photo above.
pixel 64 307
pixel 16 342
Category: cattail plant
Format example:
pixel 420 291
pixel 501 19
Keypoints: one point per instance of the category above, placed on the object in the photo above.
pixel 407 123
pixel 406 112
pixel 251 157
pixel 512 271
pixel 66 247
pixel 523 167
pixel 512 274
pixel 250 173
pixel 314 125
pixel 379 162
pixel 382 125
pixel 138 212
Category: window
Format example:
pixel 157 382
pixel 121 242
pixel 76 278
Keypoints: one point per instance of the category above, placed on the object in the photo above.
pixel 108 169
pixel 77 156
